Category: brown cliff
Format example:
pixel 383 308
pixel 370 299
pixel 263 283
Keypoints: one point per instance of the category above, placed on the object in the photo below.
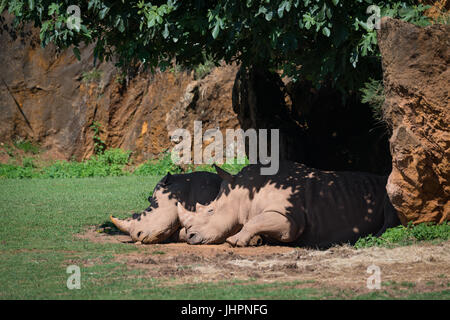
pixel 61 98
pixel 417 107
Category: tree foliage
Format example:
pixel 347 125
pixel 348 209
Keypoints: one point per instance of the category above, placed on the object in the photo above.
pixel 314 39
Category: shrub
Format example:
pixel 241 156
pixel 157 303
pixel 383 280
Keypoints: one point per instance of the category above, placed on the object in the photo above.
pixel 92 76
pixel 99 144
pixel 373 94
pixel 26 146
pixel 159 166
pixel 16 172
pixel 111 163
pixel 401 235
pixel 232 168
pixel 203 69
pixel 113 157
pixel 28 162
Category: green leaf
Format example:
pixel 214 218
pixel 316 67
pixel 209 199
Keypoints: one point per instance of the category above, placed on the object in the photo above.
pixel 103 13
pixel 76 52
pixel 262 10
pixel 216 30
pixel 269 15
pixel 121 26
pixel 166 31
pixel 53 8
pixel 31 4
pixel 3 5
pixel 282 7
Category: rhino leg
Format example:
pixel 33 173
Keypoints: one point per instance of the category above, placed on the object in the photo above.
pixel 271 224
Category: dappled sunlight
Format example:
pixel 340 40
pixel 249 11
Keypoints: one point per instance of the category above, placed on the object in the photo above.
pixel 326 207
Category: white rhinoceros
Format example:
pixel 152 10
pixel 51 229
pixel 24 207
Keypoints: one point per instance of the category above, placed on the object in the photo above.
pixel 159 222
pixel 298 205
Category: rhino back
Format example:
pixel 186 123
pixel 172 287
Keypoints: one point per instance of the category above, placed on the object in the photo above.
pixel 333 207
pixel 203 187
pixel 189 189
pixel 340 207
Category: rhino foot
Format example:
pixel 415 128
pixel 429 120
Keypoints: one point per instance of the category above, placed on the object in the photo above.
pixel 240 239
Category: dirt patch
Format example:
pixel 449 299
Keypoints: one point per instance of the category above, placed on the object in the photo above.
pixel 418 268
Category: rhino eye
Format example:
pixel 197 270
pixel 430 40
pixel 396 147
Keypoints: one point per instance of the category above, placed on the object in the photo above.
pixel 210 211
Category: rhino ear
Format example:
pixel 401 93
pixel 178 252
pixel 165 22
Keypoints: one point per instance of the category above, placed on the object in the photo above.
pixel 166 179
pixel 224 175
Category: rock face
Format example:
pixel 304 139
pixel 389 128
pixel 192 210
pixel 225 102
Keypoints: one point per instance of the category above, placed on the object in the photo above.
pixel 61 97
pixel 417 82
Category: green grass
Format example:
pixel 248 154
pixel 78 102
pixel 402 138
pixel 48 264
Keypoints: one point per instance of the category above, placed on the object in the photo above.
pixel 39 221
pixel 402 236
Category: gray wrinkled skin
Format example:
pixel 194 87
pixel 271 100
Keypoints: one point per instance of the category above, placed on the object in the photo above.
pixel 159 222
pixel 299 205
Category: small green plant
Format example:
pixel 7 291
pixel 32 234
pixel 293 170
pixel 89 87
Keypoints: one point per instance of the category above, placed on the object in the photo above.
pixel 99 144
pixel 9 150
pixel 402 236
pixel 234 167
pixel 16 172
pixel 203 69
pixel 158 166
pixel 112 162
pixel 176 68
pixel 26 146
pixel 28 162
pixel 373 94
pixel 91 76
pixel 121 78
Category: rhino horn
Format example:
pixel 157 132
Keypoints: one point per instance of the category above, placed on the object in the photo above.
pixel 183 214
pixel 122 225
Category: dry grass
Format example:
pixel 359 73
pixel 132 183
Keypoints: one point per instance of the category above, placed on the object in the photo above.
pixel 421 267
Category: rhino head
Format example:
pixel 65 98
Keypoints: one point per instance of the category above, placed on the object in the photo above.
pixel 213 223
pixel 159 222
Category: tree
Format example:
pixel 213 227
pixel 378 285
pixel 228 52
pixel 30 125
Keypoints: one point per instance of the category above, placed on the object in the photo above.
pixel 318 40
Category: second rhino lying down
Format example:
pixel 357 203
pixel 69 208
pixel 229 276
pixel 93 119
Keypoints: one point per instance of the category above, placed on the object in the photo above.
pixel 159 222
pixel 298 205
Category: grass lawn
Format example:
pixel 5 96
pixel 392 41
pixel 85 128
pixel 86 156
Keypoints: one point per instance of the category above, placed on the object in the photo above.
pixel 38 222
